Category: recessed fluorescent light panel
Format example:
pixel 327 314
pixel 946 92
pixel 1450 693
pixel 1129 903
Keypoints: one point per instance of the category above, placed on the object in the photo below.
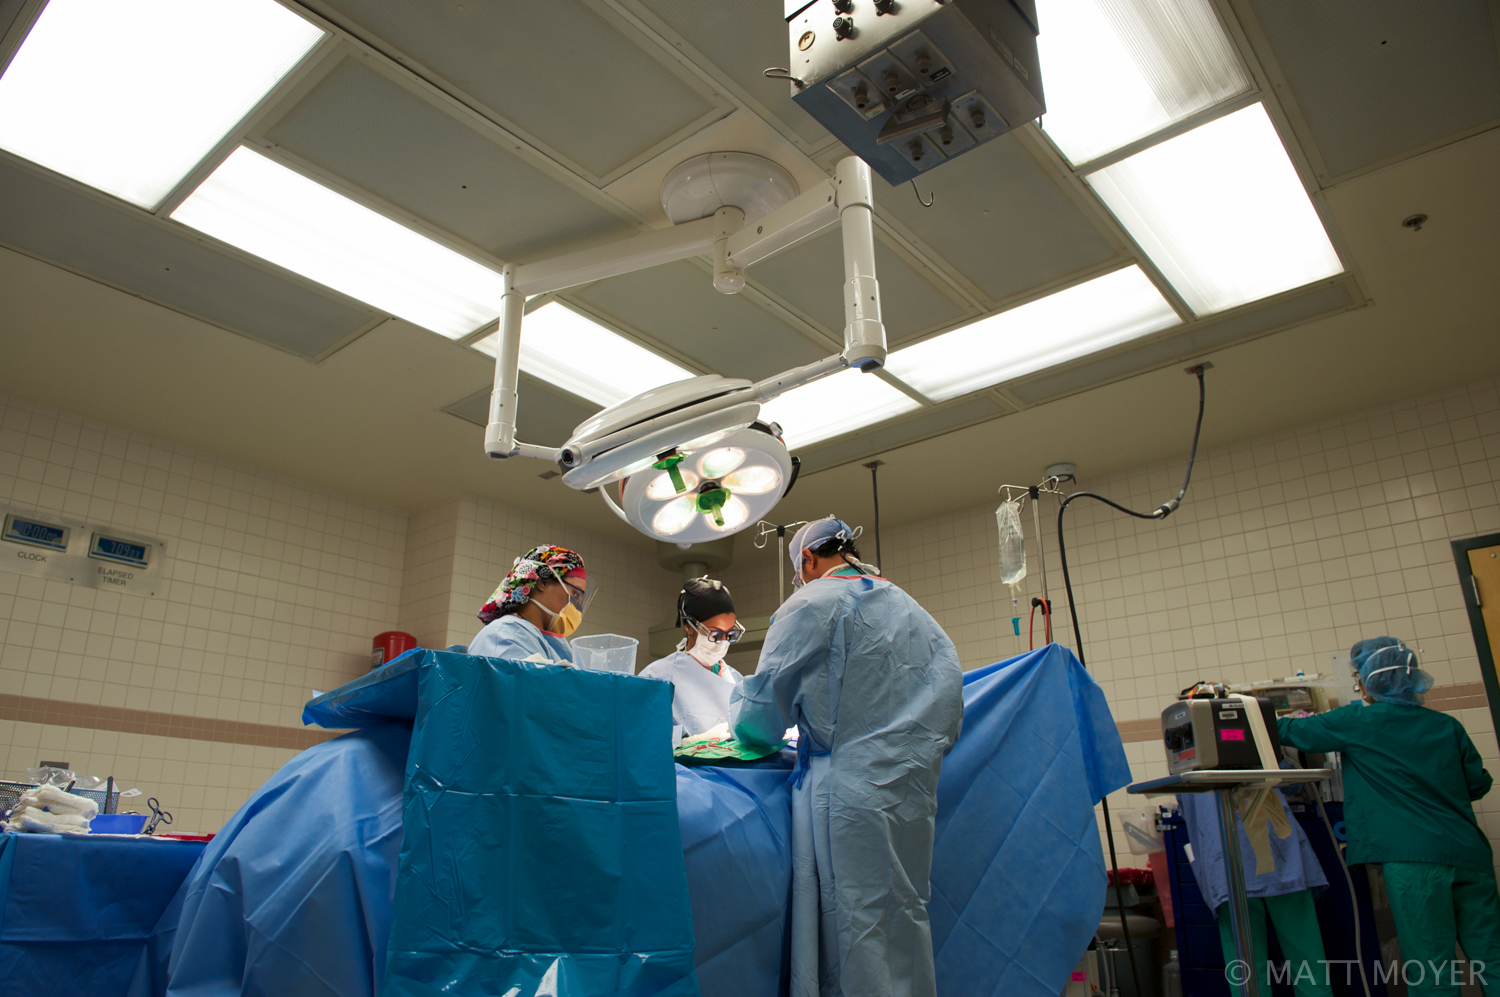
pixel 280 215
pixel 1101 313
pixel 1121 70
pixel 129 97
pixel 838 404
pixel 577 354
pixel 1221 212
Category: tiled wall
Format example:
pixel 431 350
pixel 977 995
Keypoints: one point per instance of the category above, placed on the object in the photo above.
pixel 274 588
pixel 632 591
pixel 1287 550
pixel 427 578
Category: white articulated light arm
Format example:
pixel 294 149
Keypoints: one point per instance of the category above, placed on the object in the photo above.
pixel 794 221
pixel 500 434
pixel 639 252
pixel 864 333
pixel 848 198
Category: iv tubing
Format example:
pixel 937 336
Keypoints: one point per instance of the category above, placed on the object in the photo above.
pixel 1161 512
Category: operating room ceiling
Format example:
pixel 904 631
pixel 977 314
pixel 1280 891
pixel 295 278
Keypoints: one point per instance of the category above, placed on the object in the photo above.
pixel 517 131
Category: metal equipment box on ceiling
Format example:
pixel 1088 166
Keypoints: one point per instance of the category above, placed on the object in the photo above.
pixel 909 84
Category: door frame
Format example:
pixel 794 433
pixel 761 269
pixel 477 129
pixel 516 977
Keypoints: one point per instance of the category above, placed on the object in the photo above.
pixel 1481 634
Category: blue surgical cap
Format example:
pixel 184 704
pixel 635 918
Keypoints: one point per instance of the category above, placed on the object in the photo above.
pixel 1389 671
pixel 816 533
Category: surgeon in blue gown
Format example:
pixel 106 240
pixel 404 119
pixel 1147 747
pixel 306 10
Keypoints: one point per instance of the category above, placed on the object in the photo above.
pixel 875 689
pixel 535 608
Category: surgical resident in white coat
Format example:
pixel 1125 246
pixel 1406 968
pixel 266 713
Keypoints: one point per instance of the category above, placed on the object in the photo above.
pixel 701 681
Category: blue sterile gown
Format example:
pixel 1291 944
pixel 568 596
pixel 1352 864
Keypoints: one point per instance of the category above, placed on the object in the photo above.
pixel 700 697
pixel 1297 866
pixel 514 639
pixel 875 688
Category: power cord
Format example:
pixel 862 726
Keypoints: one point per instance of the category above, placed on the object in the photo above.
pixel 1161 512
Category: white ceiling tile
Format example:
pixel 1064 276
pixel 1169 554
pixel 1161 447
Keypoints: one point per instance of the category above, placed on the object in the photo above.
pixel 1377 78
pixel 120 246
pixel 446 174
pixel 999 219
pixel 810 277
pixel 559 70
pixel 742 41
pixel 677 305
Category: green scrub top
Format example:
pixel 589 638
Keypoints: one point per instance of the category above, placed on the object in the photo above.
pixel 1409 776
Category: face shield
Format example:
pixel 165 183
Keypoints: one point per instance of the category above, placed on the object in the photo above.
pixel 575 583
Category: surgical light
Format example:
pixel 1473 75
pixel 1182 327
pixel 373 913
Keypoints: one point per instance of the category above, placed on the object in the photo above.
pixel 834 406
pixel 662 487
pixel 1121 70
pixel 276 213
pixel 1085 318
pixel 1221 212
pixel 575 353
pixel 717 463
pixel 752 480
pixel 741 482
pixel 129 97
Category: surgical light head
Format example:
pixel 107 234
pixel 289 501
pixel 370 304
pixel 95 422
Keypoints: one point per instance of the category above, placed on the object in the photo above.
pixel 708 488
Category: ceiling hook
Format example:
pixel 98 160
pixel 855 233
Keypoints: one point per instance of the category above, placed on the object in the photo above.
pixel 778 73
pixel 930 197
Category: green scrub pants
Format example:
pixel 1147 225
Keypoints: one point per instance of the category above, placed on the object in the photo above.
pixel 1433 906
pixel 1301 939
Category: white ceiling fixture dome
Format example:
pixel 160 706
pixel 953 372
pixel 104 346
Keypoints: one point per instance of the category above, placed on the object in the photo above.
pixel 702 185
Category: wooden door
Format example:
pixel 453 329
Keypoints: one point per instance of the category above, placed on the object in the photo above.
pixel 1478 561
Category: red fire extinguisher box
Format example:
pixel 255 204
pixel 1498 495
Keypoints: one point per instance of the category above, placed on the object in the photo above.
pixel 390 644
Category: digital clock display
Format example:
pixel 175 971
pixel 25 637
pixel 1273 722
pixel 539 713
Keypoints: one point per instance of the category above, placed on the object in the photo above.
pixel 34 534
pixel 107 548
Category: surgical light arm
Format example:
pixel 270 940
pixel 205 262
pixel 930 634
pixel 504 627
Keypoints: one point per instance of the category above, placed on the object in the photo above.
pixel 847 199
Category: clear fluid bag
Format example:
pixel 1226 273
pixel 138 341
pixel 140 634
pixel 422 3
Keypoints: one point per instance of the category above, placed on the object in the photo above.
pixel 1012 542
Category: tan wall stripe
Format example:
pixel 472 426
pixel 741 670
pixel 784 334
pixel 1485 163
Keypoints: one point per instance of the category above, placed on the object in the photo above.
pixel 60 713
pixel 1469 696
pixel 30 709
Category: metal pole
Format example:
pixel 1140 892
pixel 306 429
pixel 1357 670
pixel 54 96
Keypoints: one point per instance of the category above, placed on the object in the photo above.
pixel 874 466
pixel 780 565
pixel 1239 907
pixel 1041 552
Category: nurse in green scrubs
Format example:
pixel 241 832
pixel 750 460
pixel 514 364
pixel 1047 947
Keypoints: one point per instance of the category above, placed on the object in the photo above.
pixel 1410 777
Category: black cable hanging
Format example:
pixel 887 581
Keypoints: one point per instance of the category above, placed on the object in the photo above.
pixel 1160 512
pixel 874 467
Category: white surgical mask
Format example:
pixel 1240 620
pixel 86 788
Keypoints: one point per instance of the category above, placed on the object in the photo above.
pixel 708 652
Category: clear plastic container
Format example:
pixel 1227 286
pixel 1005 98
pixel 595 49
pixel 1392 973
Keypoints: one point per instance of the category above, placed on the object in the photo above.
pixel 605 653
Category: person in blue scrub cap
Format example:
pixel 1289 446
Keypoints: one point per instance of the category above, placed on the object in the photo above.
pixel 1410 778
pixel 701 681
pixel 535 608
pixel 874 687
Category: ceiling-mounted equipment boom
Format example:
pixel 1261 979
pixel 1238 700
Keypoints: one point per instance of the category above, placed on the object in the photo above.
pixel 661 430
pixel 909 84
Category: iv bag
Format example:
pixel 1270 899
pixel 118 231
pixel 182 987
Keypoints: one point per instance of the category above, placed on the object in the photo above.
pixel 1012 542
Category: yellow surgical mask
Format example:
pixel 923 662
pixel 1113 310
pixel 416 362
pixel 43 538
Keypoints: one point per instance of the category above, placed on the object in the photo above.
pixel 566 620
